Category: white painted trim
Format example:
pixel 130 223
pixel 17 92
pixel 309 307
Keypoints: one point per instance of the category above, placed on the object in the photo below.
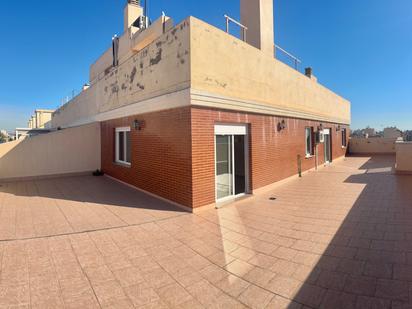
pixel 193 97
pixel 327 132
pixel 308 155
pixel 117 160
pixel 175 99
pixel 230 129
pixel 203 98
pixel 342 131
pixel 123 129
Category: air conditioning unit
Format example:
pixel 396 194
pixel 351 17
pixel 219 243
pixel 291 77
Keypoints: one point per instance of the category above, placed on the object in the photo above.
pixel 320 137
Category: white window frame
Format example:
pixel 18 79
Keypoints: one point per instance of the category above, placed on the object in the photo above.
pixel 119 130
pixel 344 145
pixel 310 154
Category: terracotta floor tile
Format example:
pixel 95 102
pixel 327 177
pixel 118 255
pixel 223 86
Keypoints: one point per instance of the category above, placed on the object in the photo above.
pixel 232 285
pixel 204 292
pixel 255 297
pixel 141 294
pixel 392 289
pixel 344 246
pixel 174 294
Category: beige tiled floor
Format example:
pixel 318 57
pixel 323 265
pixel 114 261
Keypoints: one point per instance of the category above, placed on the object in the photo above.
pixel 339 237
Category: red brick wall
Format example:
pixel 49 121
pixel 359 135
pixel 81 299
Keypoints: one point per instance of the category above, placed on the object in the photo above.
pixel 161 154
pixel 273 154
pixel 173 156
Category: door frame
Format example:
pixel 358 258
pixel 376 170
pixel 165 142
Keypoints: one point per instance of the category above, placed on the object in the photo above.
pixel 232 129
pixel 327 132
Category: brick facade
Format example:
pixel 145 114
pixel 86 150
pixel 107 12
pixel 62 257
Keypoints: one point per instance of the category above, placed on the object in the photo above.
pixel 173 155
pixel 273 154
pixel 161 160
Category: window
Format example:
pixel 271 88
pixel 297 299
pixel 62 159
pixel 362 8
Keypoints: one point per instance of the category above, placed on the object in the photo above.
pixel 343 137
pixel 123 146
pixel 309 141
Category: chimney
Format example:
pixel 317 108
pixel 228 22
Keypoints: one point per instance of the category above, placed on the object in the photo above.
pixel 132 11
pixel 309 73
pixel 257 16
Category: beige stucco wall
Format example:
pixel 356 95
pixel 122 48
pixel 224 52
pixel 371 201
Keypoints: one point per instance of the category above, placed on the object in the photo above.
pixel 67 151
pixel 404 157
pixel 161 68
pixel 372 145
pixel 224 65
pixel 218 70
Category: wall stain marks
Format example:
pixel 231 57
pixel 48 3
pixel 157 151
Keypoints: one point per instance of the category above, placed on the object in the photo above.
pixel 220 84
pixel 157 58
pixel 133 74
pixel 114 87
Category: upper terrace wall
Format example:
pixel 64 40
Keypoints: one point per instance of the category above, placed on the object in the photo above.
pixel 228 67
pixel 221 72
pixel 160 68
pixel 67 151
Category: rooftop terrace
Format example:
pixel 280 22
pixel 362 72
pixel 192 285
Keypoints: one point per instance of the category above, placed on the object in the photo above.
pixel 338 236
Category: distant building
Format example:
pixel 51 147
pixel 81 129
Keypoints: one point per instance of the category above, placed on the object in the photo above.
pixel 41 119
pixel 4 136
pixel 27 132
pixel 4 133
pixel 367 132
pixel 392 132
pixel 39 123
pixel 407 135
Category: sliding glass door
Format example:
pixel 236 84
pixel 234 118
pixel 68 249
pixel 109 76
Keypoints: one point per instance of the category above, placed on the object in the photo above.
pixel 224 166
pixel 231 160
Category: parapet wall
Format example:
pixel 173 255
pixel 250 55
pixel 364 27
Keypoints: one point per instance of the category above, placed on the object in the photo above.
pixel 161 68
pixel 228 73
pixel 404 157
pixel 68 151
pixel 378 145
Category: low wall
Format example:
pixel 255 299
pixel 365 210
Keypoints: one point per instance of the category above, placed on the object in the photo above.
pixel 404 157
pixel 378 145
pixel 68 151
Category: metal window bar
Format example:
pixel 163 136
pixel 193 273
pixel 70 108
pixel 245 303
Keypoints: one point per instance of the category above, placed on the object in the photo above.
pixel 295 60
pixel 242 27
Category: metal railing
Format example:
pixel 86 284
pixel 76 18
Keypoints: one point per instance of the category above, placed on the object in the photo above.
pixel 242 27
pixel 66 99
pixel 296 61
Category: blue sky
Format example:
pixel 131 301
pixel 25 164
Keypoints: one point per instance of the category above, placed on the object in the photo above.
pixel 360 49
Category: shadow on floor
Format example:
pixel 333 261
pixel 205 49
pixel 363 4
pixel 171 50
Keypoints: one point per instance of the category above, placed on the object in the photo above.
pixel 88 189
pixel 366 263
